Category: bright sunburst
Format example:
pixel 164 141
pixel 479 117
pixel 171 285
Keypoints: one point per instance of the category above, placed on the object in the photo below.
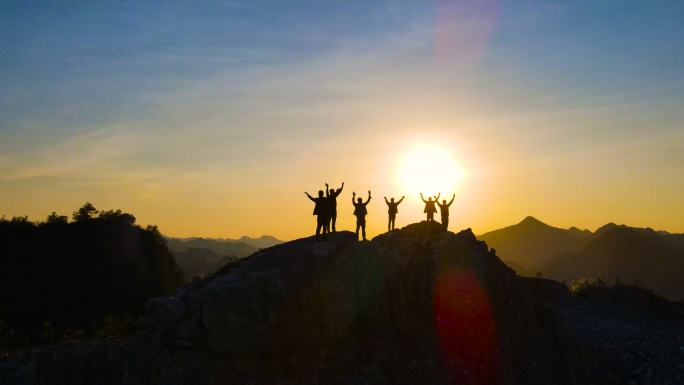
pixel 430 170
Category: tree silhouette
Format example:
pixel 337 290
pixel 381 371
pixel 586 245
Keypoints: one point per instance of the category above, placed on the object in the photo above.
pixel 74 274
pixel 84 213
pixel 117 216
pixel 54 218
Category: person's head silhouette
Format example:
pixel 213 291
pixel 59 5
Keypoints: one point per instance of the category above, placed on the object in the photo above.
pixel 360 200
pixel 443 201
pixel 429 199
pixel 320 193
pixel 391 199
pixel 332 190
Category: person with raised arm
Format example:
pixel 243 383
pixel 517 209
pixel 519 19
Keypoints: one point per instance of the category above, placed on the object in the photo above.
pixel 332 203
pixel 444 210
pixel 393 210
pixel 430 208
pixel 360 212
pixel 321 210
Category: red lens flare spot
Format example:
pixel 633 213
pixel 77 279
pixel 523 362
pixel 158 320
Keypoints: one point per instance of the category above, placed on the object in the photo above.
pixel 463 29
pixel 466 327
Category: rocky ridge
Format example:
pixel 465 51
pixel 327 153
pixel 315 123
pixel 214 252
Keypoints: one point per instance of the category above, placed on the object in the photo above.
pixel 412 306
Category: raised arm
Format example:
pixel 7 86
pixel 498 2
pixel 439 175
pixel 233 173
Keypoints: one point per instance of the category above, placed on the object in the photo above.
pixel 339 190
pixel 307 194
pixel 423 199
pixel 452 200
pixel 353 197
pixel 386 201
pixel 369 198
pixel 438 195
pixel 399 201
pixel 327 192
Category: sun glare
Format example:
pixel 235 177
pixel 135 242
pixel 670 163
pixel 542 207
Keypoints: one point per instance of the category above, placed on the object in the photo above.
pixel 430 170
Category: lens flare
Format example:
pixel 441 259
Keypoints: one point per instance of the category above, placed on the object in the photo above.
pixel 463 29
pixel 466 327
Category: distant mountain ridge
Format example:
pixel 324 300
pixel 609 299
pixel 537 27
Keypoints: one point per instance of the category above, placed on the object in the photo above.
pixel 262 242
pixel 628 254
pixel 200 261
pixel 199 256
pixel 655 258
pixel 238 249
pixel 531 241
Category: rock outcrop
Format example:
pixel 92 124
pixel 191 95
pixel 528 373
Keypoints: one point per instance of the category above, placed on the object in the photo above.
pixel 412 306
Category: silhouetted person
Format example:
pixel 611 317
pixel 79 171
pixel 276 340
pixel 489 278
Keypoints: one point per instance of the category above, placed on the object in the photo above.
pixel 430 208
pixel 321 210
pixel 332 203
pixel 360 212
pixel 393 210
pixel 444 210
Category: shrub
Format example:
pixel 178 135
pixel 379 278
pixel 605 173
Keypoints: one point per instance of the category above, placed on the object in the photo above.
pixel 11 342
pixel 56 334
pixel 118 325
pixel 588 286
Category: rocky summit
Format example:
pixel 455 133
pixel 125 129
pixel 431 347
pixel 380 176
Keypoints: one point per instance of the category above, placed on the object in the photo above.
pixel 413 306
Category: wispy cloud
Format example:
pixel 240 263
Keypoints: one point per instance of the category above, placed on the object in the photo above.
pixel 94 153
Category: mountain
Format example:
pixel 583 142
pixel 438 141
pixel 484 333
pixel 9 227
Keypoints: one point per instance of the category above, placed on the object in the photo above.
pixel 579 233
pixel 413 306
pixel 611 226
pixel 199 256
pixel 200 261
pixel 531 242
pixel 627 253
pixel 263 242
pixel 605 228
pixel 238 249
pixel 675 240
pixel 417 305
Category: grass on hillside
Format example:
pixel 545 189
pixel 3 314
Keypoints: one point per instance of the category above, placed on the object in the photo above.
pixel 636 294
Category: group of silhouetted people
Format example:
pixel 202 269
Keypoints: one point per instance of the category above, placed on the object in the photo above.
pixel 326 211
pixel 430 209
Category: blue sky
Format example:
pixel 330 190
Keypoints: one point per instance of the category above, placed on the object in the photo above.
pixel 129 103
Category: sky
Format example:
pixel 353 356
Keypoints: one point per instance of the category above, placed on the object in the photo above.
pixel 213 119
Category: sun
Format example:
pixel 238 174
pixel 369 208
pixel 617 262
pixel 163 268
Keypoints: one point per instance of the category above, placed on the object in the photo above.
pixel 430 170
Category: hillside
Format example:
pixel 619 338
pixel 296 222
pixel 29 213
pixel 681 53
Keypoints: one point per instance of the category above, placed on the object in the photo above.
pixel 628 254
pixel 530 245
pixel 413 306
pixel 199 256
pixel 612 226
pixel 416 305
pixel 676 240
pixel 74 274
pixel 531 242
pixel 200 261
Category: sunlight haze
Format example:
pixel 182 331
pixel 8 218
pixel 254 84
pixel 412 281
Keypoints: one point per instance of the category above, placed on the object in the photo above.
pixel 429 169
pixel 212 119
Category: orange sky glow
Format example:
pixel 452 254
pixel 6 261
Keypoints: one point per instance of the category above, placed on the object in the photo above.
pixel 213 122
